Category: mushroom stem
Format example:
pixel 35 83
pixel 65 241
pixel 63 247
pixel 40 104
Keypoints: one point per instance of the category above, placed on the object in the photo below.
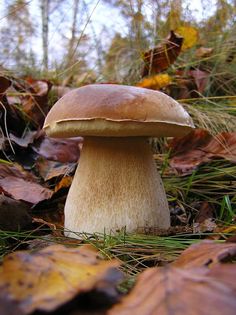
pixel 116 185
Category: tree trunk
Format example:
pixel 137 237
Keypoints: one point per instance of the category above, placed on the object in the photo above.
pixel 71 48
pixel 45 22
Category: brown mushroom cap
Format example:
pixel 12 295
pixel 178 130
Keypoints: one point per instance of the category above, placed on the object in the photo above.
pixel 116 111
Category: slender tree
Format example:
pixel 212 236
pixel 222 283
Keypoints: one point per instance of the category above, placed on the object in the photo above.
pixel 73 37
pixel 45 29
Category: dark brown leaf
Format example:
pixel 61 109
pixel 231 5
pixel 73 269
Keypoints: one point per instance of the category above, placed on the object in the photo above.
pixel 162 56
pixel 4 85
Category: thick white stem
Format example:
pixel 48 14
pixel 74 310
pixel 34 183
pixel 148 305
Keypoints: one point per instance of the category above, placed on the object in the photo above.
pixel 116 185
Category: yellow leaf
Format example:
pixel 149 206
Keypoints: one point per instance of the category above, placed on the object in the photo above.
pixel 155 82
pixel 52 276
pixel 190 35
pixel 230 229
pixel 64 183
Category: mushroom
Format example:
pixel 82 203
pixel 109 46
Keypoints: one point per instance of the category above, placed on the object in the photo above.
pixel 116 184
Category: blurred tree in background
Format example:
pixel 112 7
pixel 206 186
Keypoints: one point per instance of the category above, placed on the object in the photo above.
pixel 16 35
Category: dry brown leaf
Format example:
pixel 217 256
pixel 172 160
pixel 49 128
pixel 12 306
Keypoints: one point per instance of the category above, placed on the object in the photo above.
pixel 15 170
pixel 203 52
pixel 62 150
pixel 162 56
pixel 21 185
pixel 64 183
pixel 200 78
pixel 205 211
pixel 50 169
pixel 21 189
pixel 35 104
pixel 208 225
pixel 24 141
pixel 200 147
pixel 206 253
pixel 47 279
pixel 175 291
pixel 204 220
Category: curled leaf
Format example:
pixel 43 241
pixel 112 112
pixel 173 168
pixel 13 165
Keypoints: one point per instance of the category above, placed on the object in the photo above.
pixel 162 56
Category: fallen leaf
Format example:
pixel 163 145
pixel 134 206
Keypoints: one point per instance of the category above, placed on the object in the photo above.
pixel 21 189
pixel 15 170
pixel 65 182
pixel 19 184
pixel 205 253
pixel 204 220
pixel 51 169
pixel 203 52
pixel 200 147
pixel 33 96
pixel 10 116
pixel 47 279
pixel 224 273
pixel 169 290
pixel 208 225
pixel 36 104
pixel 40 87
pixel 190 35
pixel 201 79
pixel 24 141
pixel 229 229
pixel 191 82
pixel 61 150
pixel 155 82
pixel 206 211
pixel 162 56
